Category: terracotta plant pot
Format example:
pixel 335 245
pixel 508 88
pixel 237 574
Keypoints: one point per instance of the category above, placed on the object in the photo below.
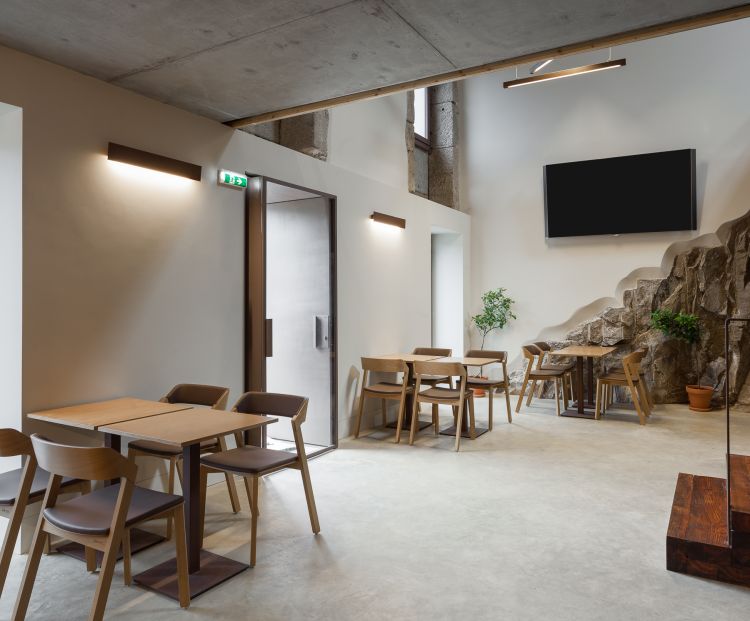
pixel 479 392
pixel 700 398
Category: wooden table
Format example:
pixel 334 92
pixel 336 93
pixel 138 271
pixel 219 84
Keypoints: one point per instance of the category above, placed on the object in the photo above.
pixel 478 431
pixel 409 359
pixel 187 429
pixel 580 352
pixel 93 416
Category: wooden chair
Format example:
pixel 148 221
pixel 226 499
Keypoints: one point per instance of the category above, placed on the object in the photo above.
pixel 457 397
pixel 630 377
pixel 22 487
pixel 546 363
pixel 99 520
pixel 385 391
pixel 491 385
pixel 644 384
pixel 252 462
pixel 534 373
pixel 442 352
pixel 214 397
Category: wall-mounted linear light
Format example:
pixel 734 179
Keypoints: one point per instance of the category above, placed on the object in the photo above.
pixel 565 73
pixel 386 219
pixel 540 65
pixel 144 159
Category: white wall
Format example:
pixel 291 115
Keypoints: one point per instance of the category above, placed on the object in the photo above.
pixel 369 138
pixel 686 90
pixel 447 292
pixel 132 284
pixel 10 271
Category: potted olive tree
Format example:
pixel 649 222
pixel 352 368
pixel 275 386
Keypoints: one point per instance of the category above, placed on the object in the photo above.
pixel 496 313
pixel 685 327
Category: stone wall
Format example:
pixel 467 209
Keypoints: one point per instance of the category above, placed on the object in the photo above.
pixel 710 282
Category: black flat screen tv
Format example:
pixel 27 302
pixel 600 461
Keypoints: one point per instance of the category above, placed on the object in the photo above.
pixel 631 194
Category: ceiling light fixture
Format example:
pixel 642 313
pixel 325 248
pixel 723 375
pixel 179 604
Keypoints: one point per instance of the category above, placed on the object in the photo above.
pixel 565 73
pixel 384 218
pixel 540 65
pixel 144 159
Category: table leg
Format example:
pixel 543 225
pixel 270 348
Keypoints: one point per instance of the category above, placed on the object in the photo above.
pixel 590 377
pixel 407 417
pixel 206 569
pixel 581 393
pixel 579 382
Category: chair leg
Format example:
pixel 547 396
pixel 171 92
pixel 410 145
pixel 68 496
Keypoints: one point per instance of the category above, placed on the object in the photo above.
pixel 105 578
pixel 183 582
pixel 472 422
pixel 203 493
pixel 29 574
pixel 253 520
pixel 521 393
pixel 9 542
pixel 249 492
pixel 564 381
pixel 310 497
pixel 231 486
pixel 459 421
pixel 507 401
pixel 91 563
pixel 597 406
pixel 170 489
pixel 557 397
pixel 636 403
pixel 436 418
pixel 400 419
pixel 126 568
pixel 643 396
pixel 531 392
pixel 359 413
pixel 414 421
pixel 489 409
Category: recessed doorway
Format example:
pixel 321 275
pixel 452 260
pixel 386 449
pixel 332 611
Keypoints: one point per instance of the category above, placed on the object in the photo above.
pixel 290 344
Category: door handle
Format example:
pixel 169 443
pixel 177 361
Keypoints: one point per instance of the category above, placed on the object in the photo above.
pixel 269 338
pixel 321 331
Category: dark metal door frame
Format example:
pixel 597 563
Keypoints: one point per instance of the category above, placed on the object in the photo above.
pixel 256 341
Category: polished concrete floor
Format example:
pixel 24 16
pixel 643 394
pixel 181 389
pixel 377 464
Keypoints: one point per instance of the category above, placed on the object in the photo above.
pixel 547 518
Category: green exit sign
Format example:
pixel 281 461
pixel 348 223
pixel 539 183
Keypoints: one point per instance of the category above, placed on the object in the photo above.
pixel 236 180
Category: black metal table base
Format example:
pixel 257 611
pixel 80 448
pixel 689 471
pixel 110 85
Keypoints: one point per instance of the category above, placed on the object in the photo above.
pixel 214 570
pixel 139 540
pixel 451 431
pixel 423 424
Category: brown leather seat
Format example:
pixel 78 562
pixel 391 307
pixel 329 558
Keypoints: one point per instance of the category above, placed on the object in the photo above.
pixel 248 459
pixel 440 393
pixel 10 481
pixel 167 450
pixel 389 388
pixel 559 366
pixel 92 514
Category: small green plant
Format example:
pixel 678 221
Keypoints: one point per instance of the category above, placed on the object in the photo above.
pixel 495 313
pixel 681 326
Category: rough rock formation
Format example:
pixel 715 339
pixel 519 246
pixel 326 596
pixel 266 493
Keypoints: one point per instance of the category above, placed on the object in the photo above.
pixel 709 282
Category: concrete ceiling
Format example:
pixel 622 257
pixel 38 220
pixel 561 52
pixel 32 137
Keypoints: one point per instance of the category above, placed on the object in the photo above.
pixel 227 59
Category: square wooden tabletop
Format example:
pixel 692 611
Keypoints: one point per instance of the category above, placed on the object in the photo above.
pixel 407 357
pixel 188 426
pixel 586 351
pixel 471 362
pixel 99 413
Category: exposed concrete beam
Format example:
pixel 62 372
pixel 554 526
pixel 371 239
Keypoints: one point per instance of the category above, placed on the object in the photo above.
pixel 698 21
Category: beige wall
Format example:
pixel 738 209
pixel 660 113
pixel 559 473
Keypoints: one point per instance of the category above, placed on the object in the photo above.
pixel 133 283
pixel 684 91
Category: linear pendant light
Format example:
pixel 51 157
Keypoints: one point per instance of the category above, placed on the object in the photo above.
pixel 144 159
pixel 565 73
pixel 540 65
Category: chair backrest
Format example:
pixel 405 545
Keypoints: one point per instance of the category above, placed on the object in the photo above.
pixel 502 356
pixel 379 365
pixel 199 394
pixel 443 352
pixel 543 345
pixel 80 462
pixel 14 443
pixel 443 369
pixel 632 364
pixel 272 404
pixel 531 351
